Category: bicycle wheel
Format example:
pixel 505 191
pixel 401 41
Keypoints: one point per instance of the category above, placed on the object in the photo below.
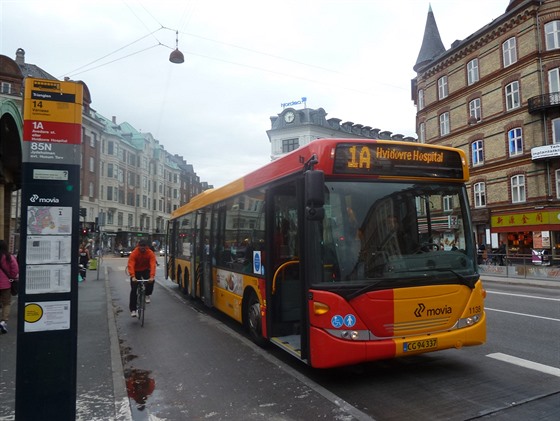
pixel 143 315
pixel 141 304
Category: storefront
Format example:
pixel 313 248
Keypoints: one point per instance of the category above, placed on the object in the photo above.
pixel 530 234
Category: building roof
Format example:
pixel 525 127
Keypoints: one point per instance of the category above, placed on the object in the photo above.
pixel 432 46
pixel 31 70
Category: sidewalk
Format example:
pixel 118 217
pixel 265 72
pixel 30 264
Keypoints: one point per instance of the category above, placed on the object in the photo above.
pixel 520 281
pixel 101 391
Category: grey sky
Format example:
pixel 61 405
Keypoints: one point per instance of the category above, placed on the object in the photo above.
pixel 243 59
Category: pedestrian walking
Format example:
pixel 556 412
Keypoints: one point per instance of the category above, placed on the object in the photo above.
pixel 8 270
pixel 83 261
pixel 141 265
pixel 153 248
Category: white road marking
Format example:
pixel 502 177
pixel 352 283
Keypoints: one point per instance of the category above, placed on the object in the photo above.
pixel 526 363
pixel 523 295
pixel 522 314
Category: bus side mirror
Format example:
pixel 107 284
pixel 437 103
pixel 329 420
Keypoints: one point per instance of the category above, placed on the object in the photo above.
pixel 314 194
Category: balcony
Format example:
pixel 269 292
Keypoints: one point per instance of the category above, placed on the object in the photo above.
pixel 544 102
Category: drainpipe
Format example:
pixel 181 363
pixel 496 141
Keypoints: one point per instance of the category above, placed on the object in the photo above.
pixel 542 92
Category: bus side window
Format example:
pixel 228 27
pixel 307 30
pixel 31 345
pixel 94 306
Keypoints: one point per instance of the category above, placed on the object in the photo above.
pixel 285 237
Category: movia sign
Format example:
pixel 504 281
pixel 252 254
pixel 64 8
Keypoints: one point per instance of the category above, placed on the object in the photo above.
pixel 48 298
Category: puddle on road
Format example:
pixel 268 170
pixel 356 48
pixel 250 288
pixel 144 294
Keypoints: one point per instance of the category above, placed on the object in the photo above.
pixel 139 386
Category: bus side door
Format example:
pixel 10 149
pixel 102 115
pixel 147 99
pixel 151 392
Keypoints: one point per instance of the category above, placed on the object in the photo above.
pixel 286 293
pixel 200 259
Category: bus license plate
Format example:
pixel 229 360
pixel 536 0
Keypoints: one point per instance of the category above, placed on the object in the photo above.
pixel 420 345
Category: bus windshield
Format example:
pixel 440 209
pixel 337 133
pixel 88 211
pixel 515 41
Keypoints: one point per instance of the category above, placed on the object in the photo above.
pixel 397 234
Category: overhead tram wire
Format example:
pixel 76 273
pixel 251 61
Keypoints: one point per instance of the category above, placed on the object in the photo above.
pixel 261 53
pixel 117 59
pixel 75 71
pixel 283 74
pixel 313 66
pixel 240 47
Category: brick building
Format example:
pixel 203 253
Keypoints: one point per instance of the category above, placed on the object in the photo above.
pixel 496 95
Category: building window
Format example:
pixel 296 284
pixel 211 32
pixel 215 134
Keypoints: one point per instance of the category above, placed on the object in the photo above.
pixel 556 130
pixel 475 109
pixel 554 85
pixel 557 176
pixel 472 71
pixel 447 203
pixel 420 99
pixel 91 190
pixel 289 145
pixel 444 124
pixel 552 35
pixel 442 87
pixel 515 141
pixel 477 152
pixel 109 193
pixel 479 195
pixel 91 164
pixel 422 133
pixel 93 140
pixel 512 95
pixel 6 88
pixel 518 189
pixel 509 52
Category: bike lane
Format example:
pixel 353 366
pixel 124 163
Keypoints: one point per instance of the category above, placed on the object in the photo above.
pixel 185 364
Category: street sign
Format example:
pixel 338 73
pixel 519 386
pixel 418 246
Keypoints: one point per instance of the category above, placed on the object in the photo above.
pixel 52 126
pixel 48 299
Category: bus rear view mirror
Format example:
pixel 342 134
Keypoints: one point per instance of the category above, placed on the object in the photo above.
pixel 314 188
pixel 314 195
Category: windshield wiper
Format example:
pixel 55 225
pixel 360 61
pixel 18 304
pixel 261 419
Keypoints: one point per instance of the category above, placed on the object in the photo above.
pixel 365 289
pixel 463 279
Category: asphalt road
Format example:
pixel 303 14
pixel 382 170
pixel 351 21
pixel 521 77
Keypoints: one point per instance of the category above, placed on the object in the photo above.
pixel 514 376
pixel 185 364
pixel 188 362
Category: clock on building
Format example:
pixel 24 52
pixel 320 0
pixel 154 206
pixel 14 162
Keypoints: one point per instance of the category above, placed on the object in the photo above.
pixel 289 117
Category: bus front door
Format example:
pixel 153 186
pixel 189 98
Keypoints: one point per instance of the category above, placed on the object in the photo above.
pixel 286 293
pixel 202 281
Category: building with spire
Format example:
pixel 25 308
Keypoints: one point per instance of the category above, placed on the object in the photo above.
pixel 496 95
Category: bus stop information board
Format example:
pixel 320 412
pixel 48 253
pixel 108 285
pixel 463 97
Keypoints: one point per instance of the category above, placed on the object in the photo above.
pixel 48 299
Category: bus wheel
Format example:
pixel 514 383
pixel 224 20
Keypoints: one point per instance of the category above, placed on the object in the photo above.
pixel 181 281
pixel 253 320
pixel 185 284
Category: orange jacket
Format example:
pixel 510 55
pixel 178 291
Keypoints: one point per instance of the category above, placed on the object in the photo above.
pixel 138 261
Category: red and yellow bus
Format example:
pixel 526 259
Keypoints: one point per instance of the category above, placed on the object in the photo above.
pixel 341 252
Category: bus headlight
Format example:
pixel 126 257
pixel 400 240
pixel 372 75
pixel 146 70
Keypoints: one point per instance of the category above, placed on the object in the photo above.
pixel 351 335
pixel 468 321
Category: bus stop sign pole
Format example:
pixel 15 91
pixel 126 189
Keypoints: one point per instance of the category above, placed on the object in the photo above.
pixel 48 298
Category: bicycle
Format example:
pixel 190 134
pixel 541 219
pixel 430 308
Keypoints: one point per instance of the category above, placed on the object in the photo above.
pixel 141 300
pixel 140 297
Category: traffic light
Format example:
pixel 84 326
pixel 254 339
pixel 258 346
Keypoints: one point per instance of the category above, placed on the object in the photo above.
pixel 83 212
pixel 84 231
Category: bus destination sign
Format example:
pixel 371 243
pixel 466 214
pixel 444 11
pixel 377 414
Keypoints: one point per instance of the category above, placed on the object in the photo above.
pixel 398 159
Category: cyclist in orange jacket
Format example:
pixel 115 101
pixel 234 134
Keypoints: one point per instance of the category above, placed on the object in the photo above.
pixel 141 265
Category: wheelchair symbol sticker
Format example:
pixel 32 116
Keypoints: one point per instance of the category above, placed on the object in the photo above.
pixel 337 321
